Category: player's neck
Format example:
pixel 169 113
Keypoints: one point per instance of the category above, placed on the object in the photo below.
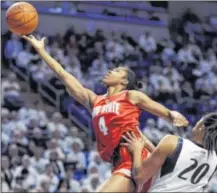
pixel 114 90
pixel 197 139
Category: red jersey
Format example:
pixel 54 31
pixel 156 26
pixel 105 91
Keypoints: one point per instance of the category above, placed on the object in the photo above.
pixel 113 116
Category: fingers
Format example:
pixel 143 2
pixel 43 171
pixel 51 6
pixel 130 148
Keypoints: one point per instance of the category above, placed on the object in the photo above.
pixel 28 38
pixel 129 135
pixel 180 124
pixel 133 135
pixel 43 39
pixel 179 120
pixel 25 37
pixel 125 144
pixel 32 37
pixel 140 132
pixel 126 139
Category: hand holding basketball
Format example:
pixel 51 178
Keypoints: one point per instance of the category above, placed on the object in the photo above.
pixel 37 44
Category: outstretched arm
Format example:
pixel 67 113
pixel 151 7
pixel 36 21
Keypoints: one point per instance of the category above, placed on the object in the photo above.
pixel 74 87
pixel 144 170
pixel 146 103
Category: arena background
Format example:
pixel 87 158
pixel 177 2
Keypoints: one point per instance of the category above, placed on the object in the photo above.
pixel 47 142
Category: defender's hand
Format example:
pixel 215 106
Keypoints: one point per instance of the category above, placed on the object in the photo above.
pixel 133 143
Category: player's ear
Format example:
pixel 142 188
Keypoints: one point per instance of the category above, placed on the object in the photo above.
pixel 202 127
pixel 125 82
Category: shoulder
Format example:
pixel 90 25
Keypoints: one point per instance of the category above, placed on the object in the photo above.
pixel 168 144
pixel 170 138
pixel 135 96
pixel 97 99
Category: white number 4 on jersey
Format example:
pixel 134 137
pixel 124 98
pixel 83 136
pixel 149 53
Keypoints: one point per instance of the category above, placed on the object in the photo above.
pixel 102 126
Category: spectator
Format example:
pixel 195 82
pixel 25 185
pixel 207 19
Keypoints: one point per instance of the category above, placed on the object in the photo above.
pixel 73 64
pixel 147 42
pixel 185 55
pixel 57 164
pixel 164 124
pixel 37 161
pixel 6 172
pixel 93 182
pixel 53 146
pixel 40 72
pixel 206 85
pixel 4 185
pixel 12 151
pixel 11 84
pixel 49 176
pixel 56 124
pixel 76 156
pixel 160 82
pixel 186 92
pixel 63 187
pixel 98 68
pixel 11 93
pixel 27 172
pixel 168 53
pixel 71 138
pixel 85 189
pixel 13 47
pixel 172 72
pixel 101 167
pixel 56 135
pixel 43 185
pixel 15 162
pixel 70 184
pixel 27 112
pixel 25 57
pixel 38 138
pixel 10 122
pixel 152 132
pixel 19 137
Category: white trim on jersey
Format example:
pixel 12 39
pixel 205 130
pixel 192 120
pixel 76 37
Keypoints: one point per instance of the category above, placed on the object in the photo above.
pixel 127 172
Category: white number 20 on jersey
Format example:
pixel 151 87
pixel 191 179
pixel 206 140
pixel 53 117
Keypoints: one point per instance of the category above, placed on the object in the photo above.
pixel 102 126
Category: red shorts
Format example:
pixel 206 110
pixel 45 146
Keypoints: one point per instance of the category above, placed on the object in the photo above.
pixel 122 164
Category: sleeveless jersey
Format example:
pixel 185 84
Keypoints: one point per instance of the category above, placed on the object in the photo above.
pixel 112 116
pixel 188 169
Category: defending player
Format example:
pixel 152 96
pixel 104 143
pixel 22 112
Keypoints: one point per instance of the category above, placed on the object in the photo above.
pixel 179 165
pixel 113 114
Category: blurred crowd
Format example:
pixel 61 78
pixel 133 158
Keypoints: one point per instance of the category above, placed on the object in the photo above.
pixel 40 153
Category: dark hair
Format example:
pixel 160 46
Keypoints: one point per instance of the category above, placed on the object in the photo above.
pixel 210 135
pixel 133 83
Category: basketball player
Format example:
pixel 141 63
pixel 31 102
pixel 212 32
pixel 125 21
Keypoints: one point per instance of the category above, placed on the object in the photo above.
pixel 113 114
pixel 179 165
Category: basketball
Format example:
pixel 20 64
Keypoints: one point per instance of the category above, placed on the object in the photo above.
pixel 22 18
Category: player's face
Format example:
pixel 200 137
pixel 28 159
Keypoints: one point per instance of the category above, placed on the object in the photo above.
pixel 116 77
